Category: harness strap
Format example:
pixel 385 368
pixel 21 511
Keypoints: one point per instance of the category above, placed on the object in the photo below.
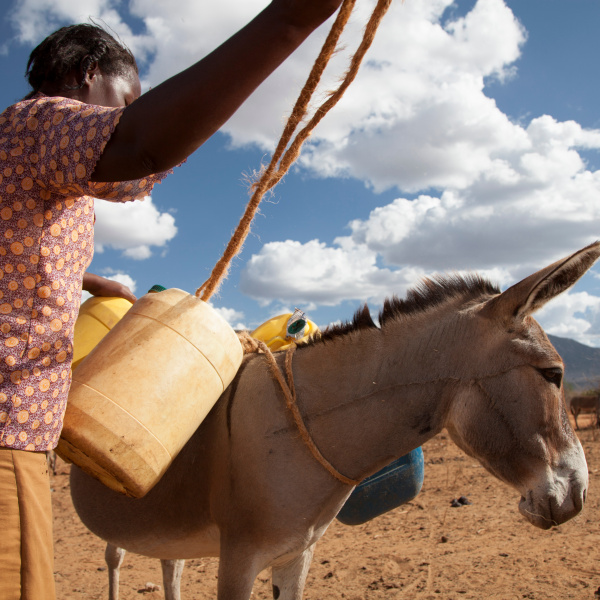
pixel 289 392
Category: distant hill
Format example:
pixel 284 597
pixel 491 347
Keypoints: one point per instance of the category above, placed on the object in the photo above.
pixel 582 363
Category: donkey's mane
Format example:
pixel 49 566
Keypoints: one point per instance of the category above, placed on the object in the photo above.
pixel 429 293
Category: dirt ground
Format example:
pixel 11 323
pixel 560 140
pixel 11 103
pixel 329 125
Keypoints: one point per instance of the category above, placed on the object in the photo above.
pixel 425 549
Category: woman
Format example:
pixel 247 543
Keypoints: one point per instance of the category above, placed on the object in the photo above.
pixel 84 132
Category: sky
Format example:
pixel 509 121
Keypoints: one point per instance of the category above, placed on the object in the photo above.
pixel 469 142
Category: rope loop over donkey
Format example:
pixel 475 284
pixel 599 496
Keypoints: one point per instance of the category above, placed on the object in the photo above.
pixel 251 345
pixel 283 159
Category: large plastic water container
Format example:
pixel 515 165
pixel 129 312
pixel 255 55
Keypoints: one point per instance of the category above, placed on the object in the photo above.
pixel 97 316
pixel 140 394
pixel 394 485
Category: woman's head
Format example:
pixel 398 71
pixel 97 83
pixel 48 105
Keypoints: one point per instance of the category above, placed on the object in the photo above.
pixel 63 60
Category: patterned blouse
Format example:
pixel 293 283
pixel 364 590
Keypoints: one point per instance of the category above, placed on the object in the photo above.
pixel 49 147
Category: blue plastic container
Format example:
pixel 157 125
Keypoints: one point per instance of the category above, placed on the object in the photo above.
pixel 394 485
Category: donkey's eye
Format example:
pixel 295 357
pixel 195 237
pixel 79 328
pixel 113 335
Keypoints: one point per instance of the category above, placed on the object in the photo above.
pixel 553 375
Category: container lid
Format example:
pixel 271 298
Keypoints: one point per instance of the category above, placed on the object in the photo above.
pixel 296 325
pixel 157 288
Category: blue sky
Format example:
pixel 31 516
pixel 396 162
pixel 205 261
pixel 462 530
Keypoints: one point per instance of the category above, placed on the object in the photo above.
pixel 468 142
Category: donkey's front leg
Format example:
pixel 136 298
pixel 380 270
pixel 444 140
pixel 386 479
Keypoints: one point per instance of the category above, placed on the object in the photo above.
pixel 289 578
pixel 172 570
pixel 237 572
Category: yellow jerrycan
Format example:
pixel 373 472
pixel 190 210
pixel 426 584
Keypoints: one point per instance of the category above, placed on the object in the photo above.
pixel 142 392
pixel 280 332
pixel 97 316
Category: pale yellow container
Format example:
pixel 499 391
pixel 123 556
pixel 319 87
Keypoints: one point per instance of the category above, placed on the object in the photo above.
pixel 97 316
pixel 138 397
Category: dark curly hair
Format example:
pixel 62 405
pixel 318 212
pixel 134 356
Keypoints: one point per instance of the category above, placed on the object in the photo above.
pixel 76 47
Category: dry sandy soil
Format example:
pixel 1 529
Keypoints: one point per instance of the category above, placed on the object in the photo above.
pixel 425 549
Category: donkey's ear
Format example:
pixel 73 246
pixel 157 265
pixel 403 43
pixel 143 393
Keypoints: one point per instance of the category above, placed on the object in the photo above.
pixel 532 293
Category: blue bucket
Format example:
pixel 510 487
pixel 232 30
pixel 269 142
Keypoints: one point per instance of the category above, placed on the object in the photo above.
pixel 394 485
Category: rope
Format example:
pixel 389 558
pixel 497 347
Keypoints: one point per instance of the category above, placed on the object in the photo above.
pixel 273 173
pixel 251 345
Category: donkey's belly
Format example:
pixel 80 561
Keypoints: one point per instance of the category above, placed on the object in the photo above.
pixel 150 526
pixel 197 545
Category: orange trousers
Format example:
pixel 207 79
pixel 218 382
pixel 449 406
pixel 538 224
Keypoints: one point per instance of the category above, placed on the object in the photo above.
pixel 26 544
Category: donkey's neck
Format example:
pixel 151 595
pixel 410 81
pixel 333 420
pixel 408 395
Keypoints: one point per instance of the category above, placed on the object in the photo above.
pixel 373 395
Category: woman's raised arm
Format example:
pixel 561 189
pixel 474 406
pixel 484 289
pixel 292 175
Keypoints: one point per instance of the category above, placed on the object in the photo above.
pixel 168 123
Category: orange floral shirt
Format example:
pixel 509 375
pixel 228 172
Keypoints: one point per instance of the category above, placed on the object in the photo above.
pixel 49 147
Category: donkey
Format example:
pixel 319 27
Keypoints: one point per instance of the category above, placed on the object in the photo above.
pixel 585 404
pixel 456 354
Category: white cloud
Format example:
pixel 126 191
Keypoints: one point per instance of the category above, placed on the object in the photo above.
pixel 121 277
pixel 138 253
pixel 133 227
pixel 313 273
pixel 543 212
pixel 231 315
pixel 573 315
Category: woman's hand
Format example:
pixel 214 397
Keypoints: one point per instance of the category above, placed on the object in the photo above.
pixel 100 286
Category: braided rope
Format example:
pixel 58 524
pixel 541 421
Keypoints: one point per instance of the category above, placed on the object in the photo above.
pixel 273 174
pixel 251 345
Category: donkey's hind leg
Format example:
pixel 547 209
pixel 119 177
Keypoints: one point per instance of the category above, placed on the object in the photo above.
pixel 172 570
pixel 114 559
pixel 289 579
